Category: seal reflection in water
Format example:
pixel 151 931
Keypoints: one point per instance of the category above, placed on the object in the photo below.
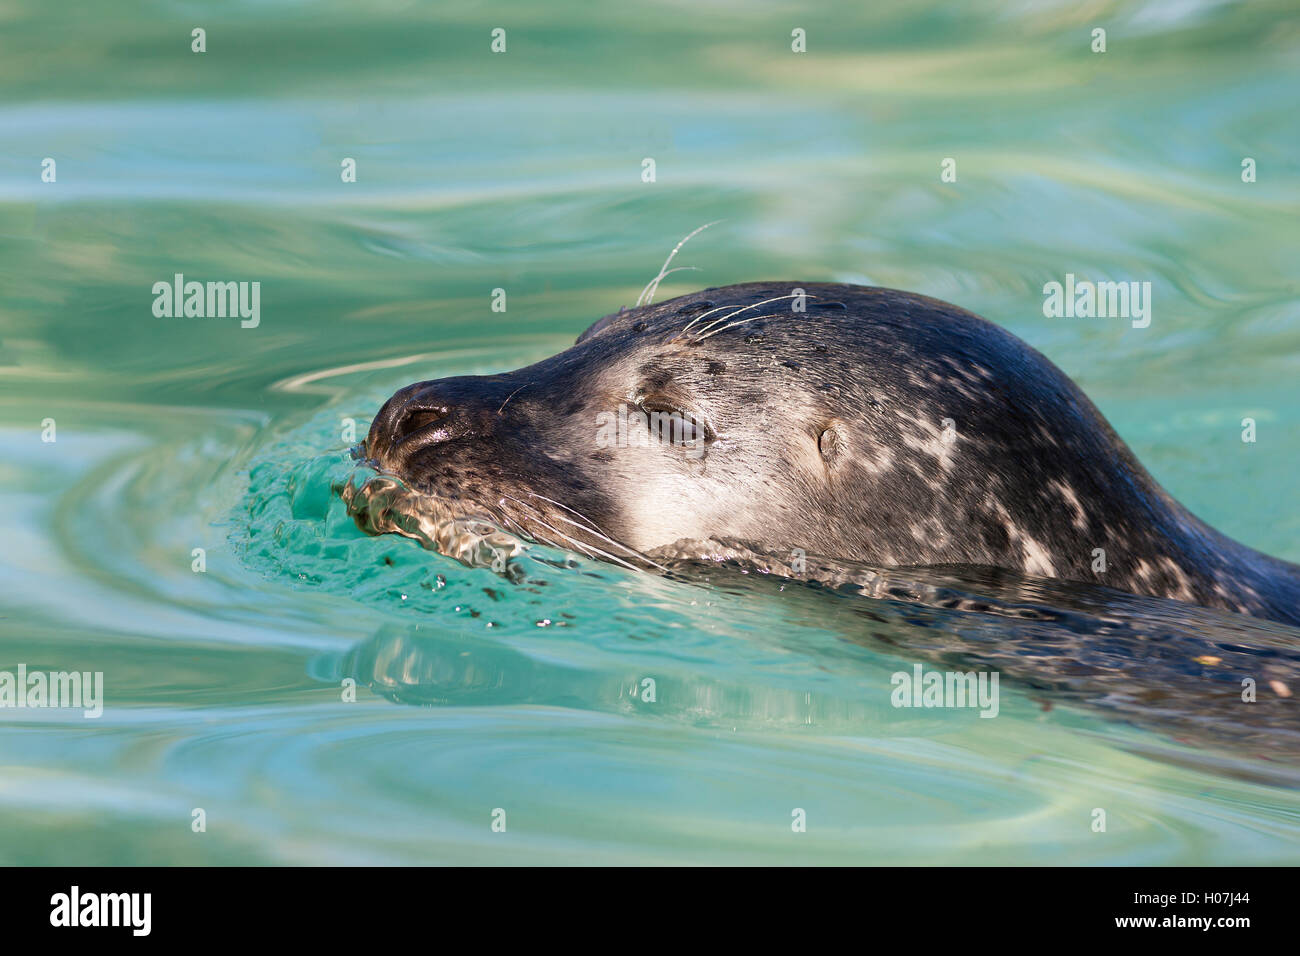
pixel 875 426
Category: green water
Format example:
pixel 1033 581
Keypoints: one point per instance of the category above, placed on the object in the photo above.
pixel 522 171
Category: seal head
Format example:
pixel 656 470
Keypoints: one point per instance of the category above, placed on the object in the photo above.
pixel 862 423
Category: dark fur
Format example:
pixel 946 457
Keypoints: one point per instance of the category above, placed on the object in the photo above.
pixel 879 370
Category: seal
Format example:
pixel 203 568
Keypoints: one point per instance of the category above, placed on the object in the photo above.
pixel 850 422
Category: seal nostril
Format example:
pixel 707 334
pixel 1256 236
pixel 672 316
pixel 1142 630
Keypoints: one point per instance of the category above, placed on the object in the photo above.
pixel 420 423
pixel 416 419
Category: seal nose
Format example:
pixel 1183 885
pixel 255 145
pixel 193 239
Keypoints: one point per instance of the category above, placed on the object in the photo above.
pixel 416 417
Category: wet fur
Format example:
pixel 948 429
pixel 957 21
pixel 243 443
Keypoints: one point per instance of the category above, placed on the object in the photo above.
pixel 1033 480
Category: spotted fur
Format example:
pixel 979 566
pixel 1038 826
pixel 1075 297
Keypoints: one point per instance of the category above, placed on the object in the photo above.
pixel 876 425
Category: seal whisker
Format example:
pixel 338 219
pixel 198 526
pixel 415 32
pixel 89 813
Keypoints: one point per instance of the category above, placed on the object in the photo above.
pixel 687 327
pixel 578 514
pixel 653 287
pixel 589 528
pixel 617 544
pixel 732 325
pixel 589 550
pixel 512 395
pixel 542 538
pixel 532 535
pixel 582 546
pixel 748 307
pixel 532 514
pixel 647 295
pixel 666 273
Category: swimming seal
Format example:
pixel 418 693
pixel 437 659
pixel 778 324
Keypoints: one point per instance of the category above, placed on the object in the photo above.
pixel 861 423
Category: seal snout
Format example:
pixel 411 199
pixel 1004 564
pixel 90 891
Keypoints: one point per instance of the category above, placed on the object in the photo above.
pixel 423 415
pixel 415 421
pixel 380 438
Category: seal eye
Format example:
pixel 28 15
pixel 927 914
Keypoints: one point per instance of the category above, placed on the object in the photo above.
pixel 673 426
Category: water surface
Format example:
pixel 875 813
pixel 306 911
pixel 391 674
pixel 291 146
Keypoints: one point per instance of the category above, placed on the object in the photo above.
pixel 522 171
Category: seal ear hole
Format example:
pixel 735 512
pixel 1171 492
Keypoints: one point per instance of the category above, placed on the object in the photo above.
pixel 832 443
